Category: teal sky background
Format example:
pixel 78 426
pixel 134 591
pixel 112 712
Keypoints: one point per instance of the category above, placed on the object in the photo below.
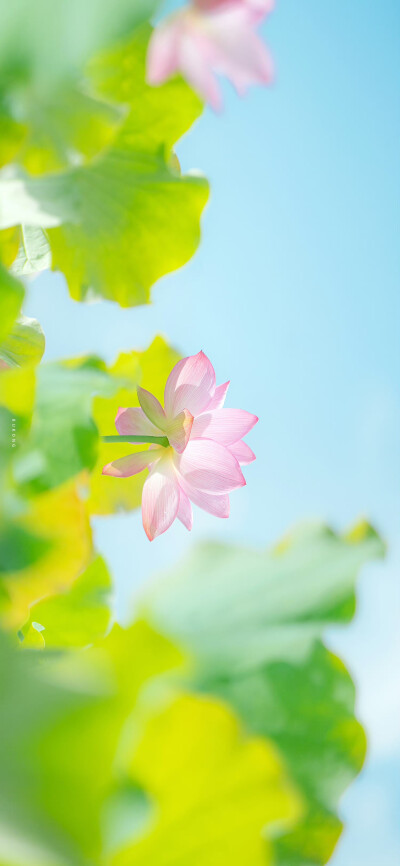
pixel 294 295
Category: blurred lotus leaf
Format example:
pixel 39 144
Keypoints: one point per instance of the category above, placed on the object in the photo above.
pixel 21 345
pixel 77 617
pixel 63 720
pixel 48 41
pixel 105 216
pixel 51 461
pixel 9 245
pixel 103 727
pixel 11 296
pixel 67 404
pixel 48 117
pixel 17 397
pixel 63 437
pixel 114 764
pixel 252 624
pixel 33 252
pixel 19 549
pixel 45 540
pixel 24 344
pixel 217 793
pixel 54 547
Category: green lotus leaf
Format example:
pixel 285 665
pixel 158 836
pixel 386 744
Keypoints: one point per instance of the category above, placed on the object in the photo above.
pixel 119 222
pixel 54 547
pixel 217 793
pixel 11 297
pixel 64 718
pixel 75 618
pixel 17 397
pixel 33 253
pixel 115 226
pixel 24 344
pixel 34 45
pixel 110 766
pixel 12 135
pixel 63 438
pixel 19 548
pixel 46 540
pixel 9 245
pixel 252 623
pixel 51 461
pixel 48 116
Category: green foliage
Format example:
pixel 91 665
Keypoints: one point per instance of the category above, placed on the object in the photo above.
pixel 55 545
pixel 48 116
pixel 217 728
pixel 215 789
pixel 33 252
pixel 256 711
pixel 17 395
pixel 117 246
pixel 252 624
pixel 121 215
pixel 19 548
pixel 24 344
pixel 136 751
pixel 280 601
pixel 33 45
pixel 75 618
pixel 11 295
pixel 51 462
pixel 64 405
pixel 63 723
pixel 101 726
pixel 63 437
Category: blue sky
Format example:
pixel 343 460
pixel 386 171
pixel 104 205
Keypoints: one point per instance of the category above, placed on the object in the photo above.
pixel 294 295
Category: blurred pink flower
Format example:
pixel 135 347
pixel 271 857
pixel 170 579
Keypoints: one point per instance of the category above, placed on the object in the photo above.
pixel 202 462
pixel 208 37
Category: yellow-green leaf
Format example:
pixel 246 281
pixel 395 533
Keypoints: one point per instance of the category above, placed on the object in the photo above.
pixel 11 297
pixel 65 718
pixel 33 253
pixel 216 793
pixel 60 518
pixel 127 217
pixel 63 437
pixel 252 623
pixel 24 344
pixel 17 392
pixel 77 617
pixel 134 221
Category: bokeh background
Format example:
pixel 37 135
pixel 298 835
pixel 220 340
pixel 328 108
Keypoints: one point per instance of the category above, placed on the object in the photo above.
pixel 294 295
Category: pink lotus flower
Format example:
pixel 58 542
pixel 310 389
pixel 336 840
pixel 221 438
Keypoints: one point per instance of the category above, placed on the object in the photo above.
pixel 208 37
pixel 201 463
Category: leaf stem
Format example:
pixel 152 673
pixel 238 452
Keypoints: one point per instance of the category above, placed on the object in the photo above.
pixel 134 440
